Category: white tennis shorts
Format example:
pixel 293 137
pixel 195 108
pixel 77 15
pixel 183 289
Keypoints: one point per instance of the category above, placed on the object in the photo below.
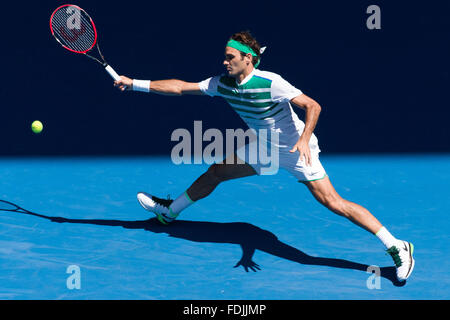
pixel 268 158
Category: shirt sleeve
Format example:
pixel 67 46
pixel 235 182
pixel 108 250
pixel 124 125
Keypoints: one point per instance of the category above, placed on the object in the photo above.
pixel 283 91
pixel 209 86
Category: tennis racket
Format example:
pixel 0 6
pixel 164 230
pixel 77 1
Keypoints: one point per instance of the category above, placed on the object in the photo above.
pixel 75 31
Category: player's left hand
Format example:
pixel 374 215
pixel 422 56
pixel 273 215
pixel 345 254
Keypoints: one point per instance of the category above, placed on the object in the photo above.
pixel 302 147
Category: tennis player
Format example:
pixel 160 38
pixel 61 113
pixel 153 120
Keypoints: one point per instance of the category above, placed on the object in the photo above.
pixel 264 100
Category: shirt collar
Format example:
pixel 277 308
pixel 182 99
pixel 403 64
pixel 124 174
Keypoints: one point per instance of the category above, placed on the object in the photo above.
pixel 247 78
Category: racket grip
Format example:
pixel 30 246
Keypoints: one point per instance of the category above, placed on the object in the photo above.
pixel 112 73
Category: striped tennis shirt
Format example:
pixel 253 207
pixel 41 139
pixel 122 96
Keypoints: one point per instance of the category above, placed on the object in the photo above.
pixel 262 100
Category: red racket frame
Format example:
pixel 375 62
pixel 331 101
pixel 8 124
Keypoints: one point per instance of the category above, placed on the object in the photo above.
pixel 92 22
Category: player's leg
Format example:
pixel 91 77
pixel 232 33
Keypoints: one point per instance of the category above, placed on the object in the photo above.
pixel 167 210
pixel 216 174
pixel 401 251
pixel 325 193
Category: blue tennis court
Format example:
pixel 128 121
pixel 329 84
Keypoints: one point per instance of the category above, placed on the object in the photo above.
pixel 255 238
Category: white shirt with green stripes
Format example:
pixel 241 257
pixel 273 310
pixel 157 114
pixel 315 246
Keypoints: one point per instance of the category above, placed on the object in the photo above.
pixel 262 100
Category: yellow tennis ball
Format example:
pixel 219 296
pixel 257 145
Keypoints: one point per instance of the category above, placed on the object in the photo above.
pixel 37 126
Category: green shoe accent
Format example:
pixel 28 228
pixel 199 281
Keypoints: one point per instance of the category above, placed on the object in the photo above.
pixel 161 219
pixel 172 215
pixel 393 252
pixel 412 248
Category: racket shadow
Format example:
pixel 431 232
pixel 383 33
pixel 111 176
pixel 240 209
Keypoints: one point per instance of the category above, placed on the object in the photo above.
pixel 248 236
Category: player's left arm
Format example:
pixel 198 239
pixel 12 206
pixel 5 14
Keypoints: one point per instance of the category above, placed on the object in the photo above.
pixel 312 110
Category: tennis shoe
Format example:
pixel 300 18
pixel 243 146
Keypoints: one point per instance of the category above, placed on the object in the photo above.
pixel 402 254
pixel 160 207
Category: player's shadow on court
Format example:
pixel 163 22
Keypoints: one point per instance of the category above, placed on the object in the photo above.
pixel 248 236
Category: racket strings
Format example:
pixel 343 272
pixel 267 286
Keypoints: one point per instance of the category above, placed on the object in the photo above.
pixel 78 40
pixel 81 37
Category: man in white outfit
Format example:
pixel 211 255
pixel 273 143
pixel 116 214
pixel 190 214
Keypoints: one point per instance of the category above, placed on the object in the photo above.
pixel 264 100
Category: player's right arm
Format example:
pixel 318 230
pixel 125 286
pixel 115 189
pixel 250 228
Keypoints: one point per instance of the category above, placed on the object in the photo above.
pixel 172 87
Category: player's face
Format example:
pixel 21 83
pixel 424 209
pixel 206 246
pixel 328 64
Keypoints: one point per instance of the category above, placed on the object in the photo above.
pixel 235 62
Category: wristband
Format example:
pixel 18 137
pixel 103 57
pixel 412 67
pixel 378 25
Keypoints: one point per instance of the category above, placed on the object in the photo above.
pixel 141 85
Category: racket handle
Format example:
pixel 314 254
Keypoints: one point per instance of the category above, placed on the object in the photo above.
pixel 112 73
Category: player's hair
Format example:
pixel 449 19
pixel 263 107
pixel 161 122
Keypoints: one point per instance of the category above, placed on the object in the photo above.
pixel 246 38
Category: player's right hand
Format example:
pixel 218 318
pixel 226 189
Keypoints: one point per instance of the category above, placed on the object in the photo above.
pixel 124 83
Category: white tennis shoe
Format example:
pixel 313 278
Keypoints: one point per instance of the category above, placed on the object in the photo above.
pixel 402 254
pixel 160 207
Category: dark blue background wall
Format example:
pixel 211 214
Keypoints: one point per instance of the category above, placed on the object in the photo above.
pixel 381 91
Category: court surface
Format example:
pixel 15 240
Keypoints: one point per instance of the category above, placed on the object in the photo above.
pixel 292 248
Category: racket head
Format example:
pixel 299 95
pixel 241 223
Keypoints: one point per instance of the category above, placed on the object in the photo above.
pixel 73 28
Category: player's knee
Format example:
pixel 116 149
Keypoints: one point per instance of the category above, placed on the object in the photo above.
pixel 215 174
pixel 335 203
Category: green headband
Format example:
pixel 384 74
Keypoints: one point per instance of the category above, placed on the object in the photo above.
pixel 243 48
